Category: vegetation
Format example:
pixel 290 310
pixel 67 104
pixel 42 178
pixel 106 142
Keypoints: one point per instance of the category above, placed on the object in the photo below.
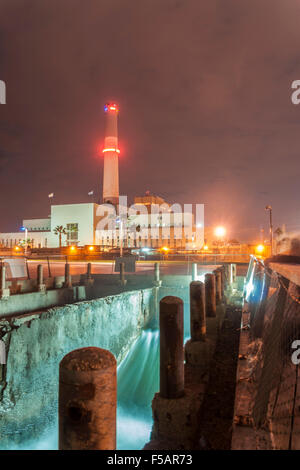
pixel 60 231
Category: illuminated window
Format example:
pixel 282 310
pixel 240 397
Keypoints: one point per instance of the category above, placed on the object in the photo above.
pixel 72 234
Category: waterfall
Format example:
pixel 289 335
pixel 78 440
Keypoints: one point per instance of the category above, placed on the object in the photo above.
pixel 138 381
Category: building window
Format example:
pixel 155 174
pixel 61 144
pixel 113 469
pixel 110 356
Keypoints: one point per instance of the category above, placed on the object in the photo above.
pixel 72 234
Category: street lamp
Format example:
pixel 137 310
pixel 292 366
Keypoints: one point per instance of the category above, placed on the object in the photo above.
pixel 25 229
pixel 120 220
pixel 220 232
pixel 269 208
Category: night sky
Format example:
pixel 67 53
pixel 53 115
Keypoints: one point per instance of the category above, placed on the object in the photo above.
pixel 204 90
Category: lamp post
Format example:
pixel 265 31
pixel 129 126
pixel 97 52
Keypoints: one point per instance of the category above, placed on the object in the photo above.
pixel 121 220
pixel 25 229
pixel 269 208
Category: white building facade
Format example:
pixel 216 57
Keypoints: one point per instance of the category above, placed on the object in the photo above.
pixel 145 224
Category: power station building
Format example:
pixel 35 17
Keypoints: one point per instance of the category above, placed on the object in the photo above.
pixel 149 222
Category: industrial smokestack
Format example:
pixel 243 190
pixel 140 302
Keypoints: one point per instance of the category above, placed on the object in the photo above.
pixel 111 155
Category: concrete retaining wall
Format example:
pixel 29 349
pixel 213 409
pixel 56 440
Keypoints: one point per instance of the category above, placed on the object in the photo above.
pixel 37 342
pixel 33 301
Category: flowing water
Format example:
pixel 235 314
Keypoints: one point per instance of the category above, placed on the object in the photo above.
pixel 138 381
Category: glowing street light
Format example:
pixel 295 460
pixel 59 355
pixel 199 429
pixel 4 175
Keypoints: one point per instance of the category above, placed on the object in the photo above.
pixel 220 232
pixel 260 249
pixel 25 229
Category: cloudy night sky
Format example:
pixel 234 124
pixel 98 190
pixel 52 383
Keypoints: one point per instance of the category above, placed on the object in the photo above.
pixel 204 90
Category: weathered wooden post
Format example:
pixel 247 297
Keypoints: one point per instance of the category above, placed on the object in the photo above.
pixel 4 293
pixel 40 279
pixel 194 272
pixel 210 295
pixel 218 275
pixel 88 400
pixel 171 347
pixel 68 278
pixel 157 281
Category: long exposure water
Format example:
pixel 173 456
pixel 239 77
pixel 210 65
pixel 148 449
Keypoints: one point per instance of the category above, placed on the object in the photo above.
pixel 138 381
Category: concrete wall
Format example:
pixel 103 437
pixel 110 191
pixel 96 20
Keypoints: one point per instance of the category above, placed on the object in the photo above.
pixel 36 344
pixel 26 299
pixel 33 301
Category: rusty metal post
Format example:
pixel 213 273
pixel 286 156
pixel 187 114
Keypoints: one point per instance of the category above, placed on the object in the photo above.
pixel 156 271
pixel 122 280
pixel 157 281
pixel 227 268
pixel 233 272
pixel 89 271
pixel 223 280
pixel 49 269
pixel 171 347
pixel 197 311
pixel 210 295
pixel 40 274
pixel 40 279
pixel 194 272
pixel 68 279
pixel 4 293
pixel 88 400
pixel 2 277
pixel 217 274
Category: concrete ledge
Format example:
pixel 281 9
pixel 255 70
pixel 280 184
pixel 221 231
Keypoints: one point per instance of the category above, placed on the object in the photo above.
pixel 29 302
pixel 289 271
